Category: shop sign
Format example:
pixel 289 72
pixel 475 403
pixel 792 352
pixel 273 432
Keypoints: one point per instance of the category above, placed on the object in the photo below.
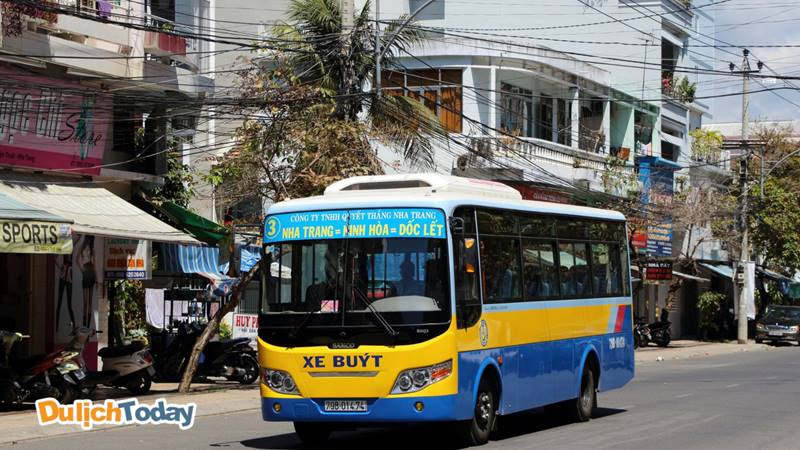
pixel 542 195
pixel 127 259
pixel 52 125
pixel 658 271
pixel 23 236
pixel 245 325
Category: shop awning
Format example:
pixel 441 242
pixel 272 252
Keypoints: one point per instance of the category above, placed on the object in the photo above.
pixel 787 286
pixel 204 261
pixel 30 230
pixel 722 270
pixel 192 259
pixel 93 209
pixel 689 277
pixel 198 226
pixel 773 275
pixel 11 209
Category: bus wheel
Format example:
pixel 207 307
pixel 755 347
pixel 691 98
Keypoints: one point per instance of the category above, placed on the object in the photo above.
pixel 312 433
pixel 583 407
pixel 477 430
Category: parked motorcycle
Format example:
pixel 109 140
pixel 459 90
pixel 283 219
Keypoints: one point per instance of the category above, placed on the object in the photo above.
pixel 41 376
pixel 660 331
pixel 233 359
pixel 124 366
pixel 641 334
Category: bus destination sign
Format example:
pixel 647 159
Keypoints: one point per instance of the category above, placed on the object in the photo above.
pixel 355 223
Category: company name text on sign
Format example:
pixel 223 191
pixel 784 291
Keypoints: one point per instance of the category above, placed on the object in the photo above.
pixel 356 223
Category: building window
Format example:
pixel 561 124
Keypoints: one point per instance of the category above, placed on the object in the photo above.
pixel 438 89
pixel 516 113
pixel 434 11
pixel 545 122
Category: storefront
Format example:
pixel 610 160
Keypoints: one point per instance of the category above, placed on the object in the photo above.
pixel 29 239
pixel 69 289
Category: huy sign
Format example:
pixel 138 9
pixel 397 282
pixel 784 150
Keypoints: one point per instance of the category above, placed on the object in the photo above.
pixel 245 325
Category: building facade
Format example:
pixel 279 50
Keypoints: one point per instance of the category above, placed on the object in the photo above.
pixel 565 100
pixel 94 97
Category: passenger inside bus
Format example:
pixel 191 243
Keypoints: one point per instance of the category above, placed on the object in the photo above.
pixel 408 285
pixel 503 278
pixel 323 296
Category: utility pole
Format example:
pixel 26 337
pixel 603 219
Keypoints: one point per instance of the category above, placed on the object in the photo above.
pixel 744 258
pixel 348 9
pixel 378 91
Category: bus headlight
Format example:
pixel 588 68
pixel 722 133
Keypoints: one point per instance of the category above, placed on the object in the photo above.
pixel 761 327
pixel 794 329
pixel 279 381
pixel 413 380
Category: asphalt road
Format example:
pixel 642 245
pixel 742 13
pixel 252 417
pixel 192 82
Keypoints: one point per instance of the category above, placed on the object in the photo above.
pixel 737 401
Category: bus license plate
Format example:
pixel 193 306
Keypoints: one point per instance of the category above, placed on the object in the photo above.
pixel 345 405
pixel 776 333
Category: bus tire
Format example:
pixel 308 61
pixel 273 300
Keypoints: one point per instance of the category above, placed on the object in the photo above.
pixel 582 408
pixel 312 433
pixel 484 416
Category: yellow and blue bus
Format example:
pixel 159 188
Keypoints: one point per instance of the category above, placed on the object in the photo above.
pixel 417 298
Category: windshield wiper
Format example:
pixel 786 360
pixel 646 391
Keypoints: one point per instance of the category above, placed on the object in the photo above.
pixel 381 320
pixel 305 321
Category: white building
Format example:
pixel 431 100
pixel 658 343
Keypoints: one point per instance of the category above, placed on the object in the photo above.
pixel 571 82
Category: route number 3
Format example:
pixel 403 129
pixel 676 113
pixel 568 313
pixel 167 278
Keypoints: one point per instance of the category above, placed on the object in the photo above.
pixel 616 342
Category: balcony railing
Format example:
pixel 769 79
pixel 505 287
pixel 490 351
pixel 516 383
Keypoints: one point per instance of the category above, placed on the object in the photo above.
pixel 163 43
pixel 721 160
pixel 486 148
pixel 677 88
pixel 105 9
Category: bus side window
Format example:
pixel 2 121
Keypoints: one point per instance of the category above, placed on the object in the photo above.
pixel 468 300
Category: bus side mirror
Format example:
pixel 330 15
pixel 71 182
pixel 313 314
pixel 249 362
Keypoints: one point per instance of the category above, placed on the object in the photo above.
pixel 456 225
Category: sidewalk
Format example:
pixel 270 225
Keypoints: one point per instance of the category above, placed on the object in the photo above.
pixel 211 399
pixel 685 349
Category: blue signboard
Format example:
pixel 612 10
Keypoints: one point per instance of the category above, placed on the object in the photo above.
pixel 355 223
pixel 656 175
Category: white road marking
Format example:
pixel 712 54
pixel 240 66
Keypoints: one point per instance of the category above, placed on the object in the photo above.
pixel 731 386
pixel 683 396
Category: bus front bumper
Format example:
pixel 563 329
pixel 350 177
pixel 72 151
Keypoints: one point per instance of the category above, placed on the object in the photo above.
pixel 399 409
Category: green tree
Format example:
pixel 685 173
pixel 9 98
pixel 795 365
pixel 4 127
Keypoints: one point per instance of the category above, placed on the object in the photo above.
pixel 706 144
pixel 775 216
pixel 342 64
pixel 296 147
pixel 775 224
pixel 179 182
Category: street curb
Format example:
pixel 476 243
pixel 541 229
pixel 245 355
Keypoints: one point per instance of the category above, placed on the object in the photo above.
pixel 651 355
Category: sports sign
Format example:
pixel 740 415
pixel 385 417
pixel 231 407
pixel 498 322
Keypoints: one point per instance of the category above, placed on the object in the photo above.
pixel 18 236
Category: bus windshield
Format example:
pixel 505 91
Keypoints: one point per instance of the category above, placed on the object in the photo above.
pixel 344 282
pixel 394 275
pixel 337 274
